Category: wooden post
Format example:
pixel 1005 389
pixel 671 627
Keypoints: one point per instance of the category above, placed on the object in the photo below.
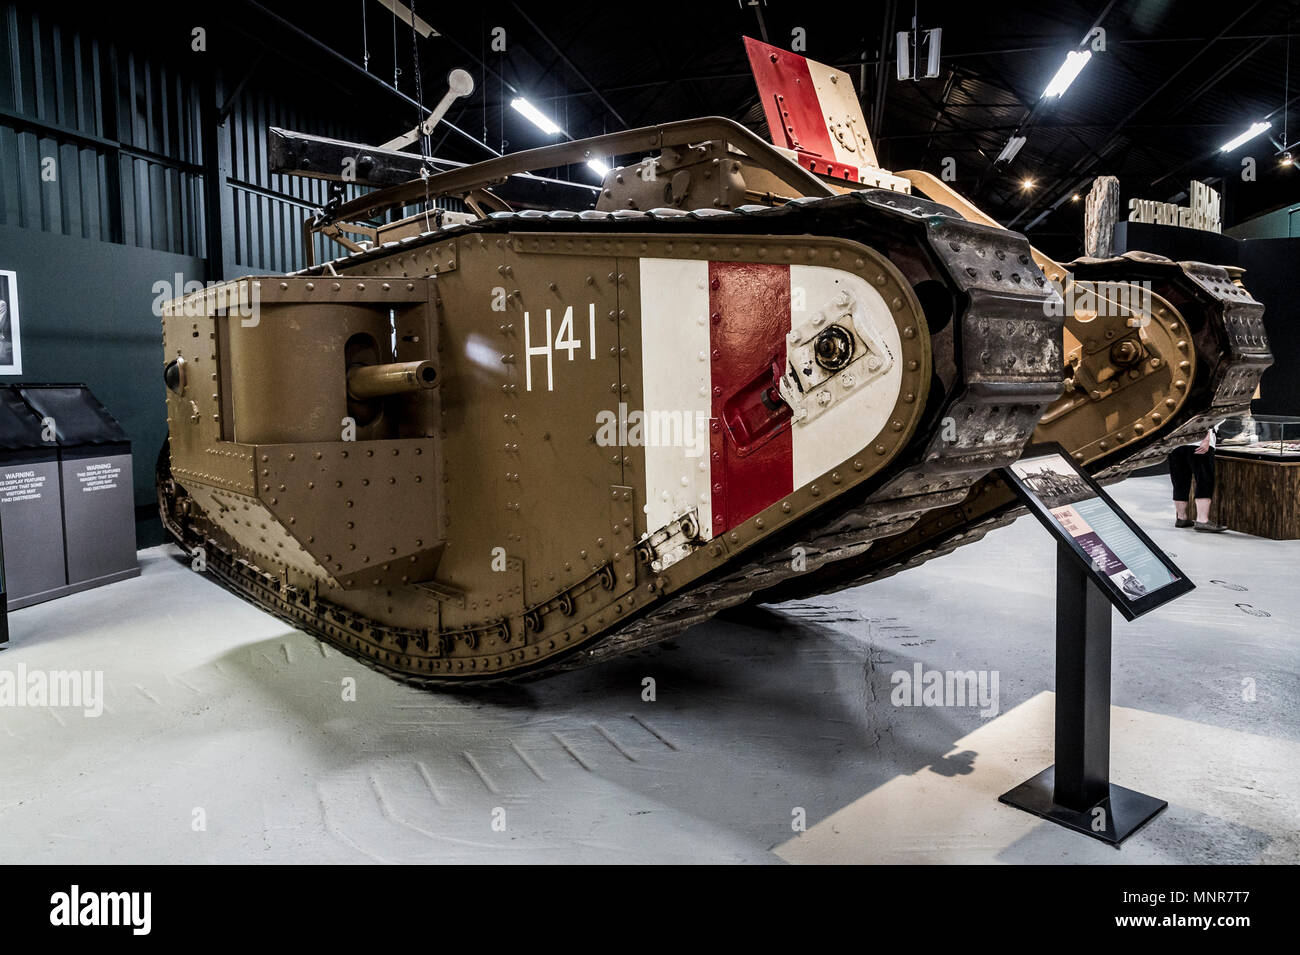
pixel 1101 212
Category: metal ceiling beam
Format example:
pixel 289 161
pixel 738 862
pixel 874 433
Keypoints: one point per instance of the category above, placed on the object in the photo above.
pixel 949 85
pixel 1034 110
pixel 1082 166
pixel 354 68
pixel 889 17
pixel 1243 56
pixel 1067 127
pixel 570 64
pixel 406 16
pixel 1214 152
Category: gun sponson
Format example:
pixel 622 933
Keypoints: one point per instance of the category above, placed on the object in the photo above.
pixel 380 381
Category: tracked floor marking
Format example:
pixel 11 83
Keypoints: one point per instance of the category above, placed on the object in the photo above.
pixel 528 762
pixel 613 742
pixel 379 796
pixel 652 731
pixel 341 836
pixel 428 781
pixel 189 686
pixel 570 750
pixel 473 764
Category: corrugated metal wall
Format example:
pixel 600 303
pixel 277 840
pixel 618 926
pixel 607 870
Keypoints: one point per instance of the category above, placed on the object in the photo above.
pixel 120 128
pixel 124 131
pixel 269 209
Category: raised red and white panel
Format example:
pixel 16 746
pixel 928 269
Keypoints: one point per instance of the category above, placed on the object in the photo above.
pixel 675 363
pixel 824 442
pixel 814 116
pixel 714 339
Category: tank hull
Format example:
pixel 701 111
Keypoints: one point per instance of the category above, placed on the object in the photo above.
pixel 514 519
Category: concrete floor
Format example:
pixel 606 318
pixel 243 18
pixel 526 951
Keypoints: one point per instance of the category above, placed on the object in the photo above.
pixel 225 737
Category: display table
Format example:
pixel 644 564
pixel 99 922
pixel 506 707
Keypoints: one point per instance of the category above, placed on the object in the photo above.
pixel 1257 494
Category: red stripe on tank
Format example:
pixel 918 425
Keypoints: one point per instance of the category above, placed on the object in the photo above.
pixel 750 446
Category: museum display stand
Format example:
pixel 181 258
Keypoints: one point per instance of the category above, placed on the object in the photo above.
pixel 67 506
pixel 1104 561
pixel 1257 476
pixel 31 505
pixel 1077 792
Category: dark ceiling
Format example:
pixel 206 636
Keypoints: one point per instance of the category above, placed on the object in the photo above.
pixel 1174 82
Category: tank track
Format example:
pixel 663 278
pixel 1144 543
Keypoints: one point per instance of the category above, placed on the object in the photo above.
pixel 997 361
pixel 1227 328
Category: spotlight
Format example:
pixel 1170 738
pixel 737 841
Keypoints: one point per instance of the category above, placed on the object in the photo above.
pixel 1075 197
pixel 1255 130
pixel 598 167
pixel 1026 184
pixel 535 116
pixel 1287 160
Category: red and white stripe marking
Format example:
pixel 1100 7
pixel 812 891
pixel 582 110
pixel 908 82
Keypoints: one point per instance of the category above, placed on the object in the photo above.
pixel 814 116
pixel 709 333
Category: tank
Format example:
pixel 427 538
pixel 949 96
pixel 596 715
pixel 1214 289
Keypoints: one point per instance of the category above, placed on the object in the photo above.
pixel 492 442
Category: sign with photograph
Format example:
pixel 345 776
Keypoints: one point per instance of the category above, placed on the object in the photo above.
pixel 1129 567
pixel 11 356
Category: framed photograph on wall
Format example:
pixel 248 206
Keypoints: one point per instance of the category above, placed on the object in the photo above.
pixel 11 355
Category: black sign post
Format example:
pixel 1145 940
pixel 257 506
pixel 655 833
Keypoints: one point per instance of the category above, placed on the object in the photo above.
pixel 1103 560
pixel 4 599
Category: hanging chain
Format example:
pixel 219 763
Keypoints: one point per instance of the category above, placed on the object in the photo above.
pixel 419 89
pixel 365 39
pixel 1286 90
pixel 396 72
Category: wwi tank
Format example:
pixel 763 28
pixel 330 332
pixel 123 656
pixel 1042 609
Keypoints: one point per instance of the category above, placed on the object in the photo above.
pixel 489 444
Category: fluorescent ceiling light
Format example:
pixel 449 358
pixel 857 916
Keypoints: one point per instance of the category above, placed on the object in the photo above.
pixel 1255 130
pixel 535 116
pixel 598 167
pixel 903 44
pixel 933 40
pixel 1010 149
pixel 1074 63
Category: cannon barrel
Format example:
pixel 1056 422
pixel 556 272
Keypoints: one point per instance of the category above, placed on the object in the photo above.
pixel 380 381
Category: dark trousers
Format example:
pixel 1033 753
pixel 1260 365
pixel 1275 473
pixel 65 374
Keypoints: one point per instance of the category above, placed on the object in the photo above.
pixel 1186 466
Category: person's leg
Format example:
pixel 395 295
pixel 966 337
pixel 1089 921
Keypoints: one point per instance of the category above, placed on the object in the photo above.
pixel 1203 478
pixel 1203 475
pixel 1180 473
